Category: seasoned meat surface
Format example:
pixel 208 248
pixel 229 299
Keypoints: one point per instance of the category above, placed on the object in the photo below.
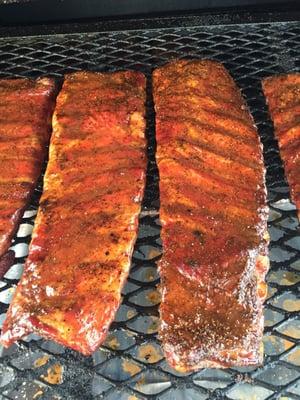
pixel 25 109
pixel 86 226
pixel 283 97
pixel 214 218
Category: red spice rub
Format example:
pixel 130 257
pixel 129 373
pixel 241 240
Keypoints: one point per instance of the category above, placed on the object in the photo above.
pixel 214 218
pixel 26 107
pixel 283 97
pixel 86 226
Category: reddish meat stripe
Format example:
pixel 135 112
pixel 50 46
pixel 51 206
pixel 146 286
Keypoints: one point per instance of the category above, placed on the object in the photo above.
pixel 214 218
pixel 283 97
pixel 86 225
pixel 24 135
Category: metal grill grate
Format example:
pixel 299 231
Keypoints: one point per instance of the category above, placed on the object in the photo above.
pixel 130 365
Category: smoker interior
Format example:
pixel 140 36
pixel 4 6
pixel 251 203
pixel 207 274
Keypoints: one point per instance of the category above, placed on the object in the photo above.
pixel 130 364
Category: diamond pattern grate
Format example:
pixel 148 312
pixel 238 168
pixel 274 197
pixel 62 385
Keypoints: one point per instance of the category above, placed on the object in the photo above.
pixel 130 365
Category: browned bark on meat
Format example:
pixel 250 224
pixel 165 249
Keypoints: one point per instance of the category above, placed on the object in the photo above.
pixel 86 226
pixel 214 218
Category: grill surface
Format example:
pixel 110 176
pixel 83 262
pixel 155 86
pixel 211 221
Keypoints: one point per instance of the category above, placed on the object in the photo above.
pixel 130 365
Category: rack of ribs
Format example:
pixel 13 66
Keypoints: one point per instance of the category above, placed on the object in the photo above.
pixel 86 225
pixel 214 218
pixel 282 93
pixel 26 107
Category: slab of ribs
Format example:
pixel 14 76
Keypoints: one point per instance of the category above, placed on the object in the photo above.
pixel 283 97
pixel 26 107
pixel 214 218
pixel 86 226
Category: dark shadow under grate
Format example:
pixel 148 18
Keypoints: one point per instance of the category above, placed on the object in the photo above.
pixel 130 365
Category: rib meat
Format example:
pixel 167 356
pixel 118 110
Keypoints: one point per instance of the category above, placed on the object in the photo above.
pixel 214 218
pixel 86 226
pixel 283 97
pixel 25 109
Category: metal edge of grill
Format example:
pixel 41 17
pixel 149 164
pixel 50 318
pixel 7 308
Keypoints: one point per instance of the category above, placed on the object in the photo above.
pixel 130 364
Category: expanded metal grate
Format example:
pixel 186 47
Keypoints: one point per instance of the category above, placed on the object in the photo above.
pixel 130 365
